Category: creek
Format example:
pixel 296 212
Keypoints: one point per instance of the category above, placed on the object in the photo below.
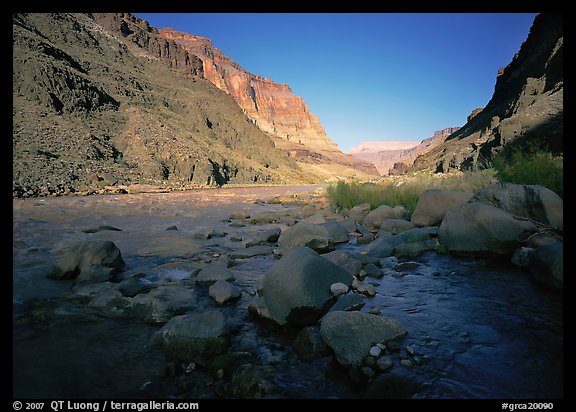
pixel 485 330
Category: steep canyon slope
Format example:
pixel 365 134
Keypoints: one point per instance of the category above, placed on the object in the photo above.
pixel 102 99
pixel 526 107
pixel 275 109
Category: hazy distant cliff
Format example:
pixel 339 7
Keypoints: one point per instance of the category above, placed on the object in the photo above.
pixel 394 157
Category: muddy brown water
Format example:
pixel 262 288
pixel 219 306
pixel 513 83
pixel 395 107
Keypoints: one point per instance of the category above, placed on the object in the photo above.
pixel 484 329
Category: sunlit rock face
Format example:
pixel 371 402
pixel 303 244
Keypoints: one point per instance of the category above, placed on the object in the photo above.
pixel 272 106
pixel 276 110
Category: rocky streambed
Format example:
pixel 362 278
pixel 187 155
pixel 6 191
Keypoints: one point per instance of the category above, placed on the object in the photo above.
pixel 224 294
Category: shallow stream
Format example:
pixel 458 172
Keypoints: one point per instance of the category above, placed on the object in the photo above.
pixel 484 329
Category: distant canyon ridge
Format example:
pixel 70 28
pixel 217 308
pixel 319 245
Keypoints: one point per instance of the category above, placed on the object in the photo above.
pixel 394 157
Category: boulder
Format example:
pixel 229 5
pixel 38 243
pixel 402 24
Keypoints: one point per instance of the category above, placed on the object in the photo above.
pixel 336 231
pixel 338 289
pixel 351 301
pixel 349 224
pixel 547 266
pixel 395 226
pixel 214 272
pixel 111 303
pixel 316 237
pixel 297 287
pixel 376 217
pixel 433 204
pixel 192 337
pixel 268 236
pixel 91 261
pixel 345 260
pixel 385 246
pixel 482 229
pixel 134 286
pixel 530 201
pixel 413 249
pixel 222 291
pixel 542 238
pixel 359 212
pixel 162 303
pixel 352 334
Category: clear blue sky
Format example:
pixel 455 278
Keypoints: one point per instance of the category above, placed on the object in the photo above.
pixel 370 76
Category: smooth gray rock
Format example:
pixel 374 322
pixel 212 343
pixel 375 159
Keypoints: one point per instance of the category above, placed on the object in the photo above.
pixel 345 260
pixel 384 246
pixel 530 201
pixel 433 204
pixel 351 301
pixel 297 287
pixel 214 272
pixel 100 260
pixel 268 236
pixel 395 226
pixel 222 291
pixel 483 229
pixel 337 232
pixel 316 237
pixel 359 212
pixel 376 217
pixel 352 334
pixel 162 303
pixel 547 266
pixel 189 337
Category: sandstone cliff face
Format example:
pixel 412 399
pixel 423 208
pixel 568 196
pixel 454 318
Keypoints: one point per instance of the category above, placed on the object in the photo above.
pixel 527 106
pixel 275 110
pixel 273 107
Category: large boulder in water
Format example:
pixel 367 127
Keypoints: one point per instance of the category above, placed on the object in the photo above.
pixel 192 337
pixel 352 334
pixel 483 229
pixel 89 261
pixel 374 219
pixel 297 287
pixel 546 265
pixel 316 237
pixel 433 204
pixel 530 201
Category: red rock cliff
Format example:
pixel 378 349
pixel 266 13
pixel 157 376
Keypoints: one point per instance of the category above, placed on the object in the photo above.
pixel 272 106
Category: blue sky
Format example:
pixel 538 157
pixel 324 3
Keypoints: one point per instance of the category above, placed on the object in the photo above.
pixel 370 76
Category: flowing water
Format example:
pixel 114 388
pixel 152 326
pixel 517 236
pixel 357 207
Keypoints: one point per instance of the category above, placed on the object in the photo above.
pixel 483 329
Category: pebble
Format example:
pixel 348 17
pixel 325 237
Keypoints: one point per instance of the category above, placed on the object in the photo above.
pixel 375 311
pixel 410 350
pixel 381 346
pixel 368 371
pixel 366 289
pixel 370 361
pixel 338 289
pixel 406 362
pixel 236 238
pixel 384 363
pixel 375 351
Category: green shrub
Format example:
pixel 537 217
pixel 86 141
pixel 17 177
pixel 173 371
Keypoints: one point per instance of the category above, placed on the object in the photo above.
pixel 532 168
pixel 404 191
